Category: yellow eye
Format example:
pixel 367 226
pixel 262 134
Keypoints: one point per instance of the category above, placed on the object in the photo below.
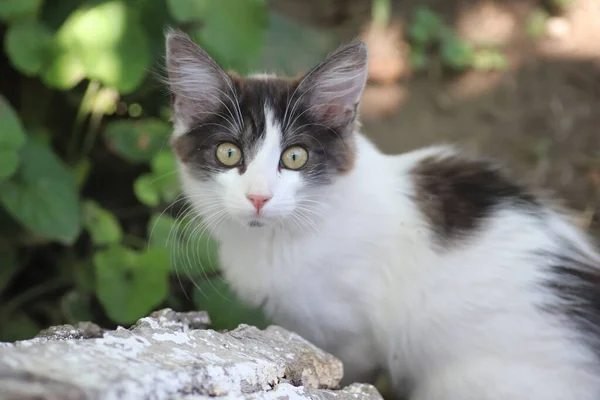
pixel 294 157
pixel 229 154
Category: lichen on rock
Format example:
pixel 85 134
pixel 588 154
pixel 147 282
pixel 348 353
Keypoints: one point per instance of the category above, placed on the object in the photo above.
pixel 170 355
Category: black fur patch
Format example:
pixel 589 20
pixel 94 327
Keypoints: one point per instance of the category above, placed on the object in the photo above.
pixel 455 194
pixel 576 282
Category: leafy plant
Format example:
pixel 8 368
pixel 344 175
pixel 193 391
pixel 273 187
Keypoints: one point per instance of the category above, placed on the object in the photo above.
pixel 536 23
pixel 431 38
pixel 90 220
pixel 539 16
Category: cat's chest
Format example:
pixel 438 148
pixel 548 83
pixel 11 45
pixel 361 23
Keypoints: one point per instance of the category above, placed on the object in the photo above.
pixel 296 277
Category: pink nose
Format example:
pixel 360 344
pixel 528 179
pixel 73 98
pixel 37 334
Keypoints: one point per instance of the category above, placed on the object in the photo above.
pixel 258 201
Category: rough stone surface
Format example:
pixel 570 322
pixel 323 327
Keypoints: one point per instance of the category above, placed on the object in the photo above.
pixel 170 355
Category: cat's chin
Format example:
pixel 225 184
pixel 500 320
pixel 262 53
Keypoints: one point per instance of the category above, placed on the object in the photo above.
pixel 255 223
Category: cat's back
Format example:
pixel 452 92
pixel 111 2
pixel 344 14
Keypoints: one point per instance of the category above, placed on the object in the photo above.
pixel 505 263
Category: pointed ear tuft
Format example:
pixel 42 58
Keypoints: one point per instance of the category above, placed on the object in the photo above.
pixel 196 81
pixel 334 88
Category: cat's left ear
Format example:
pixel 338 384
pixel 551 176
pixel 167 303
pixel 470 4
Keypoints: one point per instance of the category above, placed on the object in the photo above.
pixel 333 89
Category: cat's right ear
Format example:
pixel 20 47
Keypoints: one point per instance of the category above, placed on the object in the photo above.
pixel 196 81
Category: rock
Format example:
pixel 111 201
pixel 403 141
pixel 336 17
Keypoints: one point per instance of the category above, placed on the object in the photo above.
pixel 170 355
pixel 83 330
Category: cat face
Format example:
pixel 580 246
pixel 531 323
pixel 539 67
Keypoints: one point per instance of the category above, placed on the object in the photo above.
pixel 261 150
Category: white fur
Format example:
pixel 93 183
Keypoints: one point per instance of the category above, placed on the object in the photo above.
pixel 361 278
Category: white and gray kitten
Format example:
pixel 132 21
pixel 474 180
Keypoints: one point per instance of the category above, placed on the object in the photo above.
pixel 431 265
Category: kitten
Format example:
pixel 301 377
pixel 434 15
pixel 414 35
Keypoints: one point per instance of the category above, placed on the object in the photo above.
pixel 431 265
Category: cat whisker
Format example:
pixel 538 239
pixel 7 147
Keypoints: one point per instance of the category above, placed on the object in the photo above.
pixel 216 221
pixel 192 237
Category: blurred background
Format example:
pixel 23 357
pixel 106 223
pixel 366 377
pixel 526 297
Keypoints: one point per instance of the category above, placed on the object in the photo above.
pixel 92 225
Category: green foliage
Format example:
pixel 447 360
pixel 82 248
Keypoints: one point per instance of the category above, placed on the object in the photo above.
pixel 43 195
pixel 426 27
pixel 188 10
pixel 137 141
pixel 430 36
pixel 102 225
pixel 14 9
pixel 107 40
pixel 456 53
pixel 193 252
pixel 233 31
pixel 145 190
pixel 214 296
pixel 11 139
pixel 29 46
pixel 89 209
pixel 161 185
pixel 130 283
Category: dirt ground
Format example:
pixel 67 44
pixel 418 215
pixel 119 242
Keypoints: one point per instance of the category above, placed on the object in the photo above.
pixel 541 116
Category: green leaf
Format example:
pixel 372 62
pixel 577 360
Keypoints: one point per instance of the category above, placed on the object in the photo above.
pixel 28 44
pixel 188 10
pixel 107 41
pixel 456 53
pixel 64 71
pixel 234 31
pixel 137 141
pixel 426 27
pixel 13 9
pixel 162 230
pixel 102 225
pixel 130 284
pixel 154 16
pixel 9 267
pixel 12 138
pixel 164 163
pixel 146 191
pixel 9 161
pixel 43 195
pixel 225 309
pixel 164 168
pixel 193 252
pixel 162 184
pixel 12 133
